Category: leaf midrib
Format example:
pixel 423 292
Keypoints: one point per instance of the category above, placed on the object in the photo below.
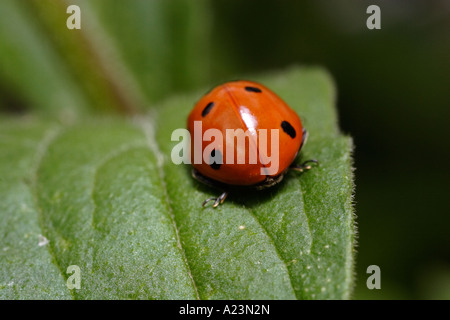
pixel 272 242
pixel 148 128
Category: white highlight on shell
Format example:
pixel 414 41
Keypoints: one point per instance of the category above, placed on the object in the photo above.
pixel 249 119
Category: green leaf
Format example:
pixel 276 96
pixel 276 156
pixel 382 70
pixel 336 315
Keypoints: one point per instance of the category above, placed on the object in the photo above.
pixel 32 75
pixel 104 195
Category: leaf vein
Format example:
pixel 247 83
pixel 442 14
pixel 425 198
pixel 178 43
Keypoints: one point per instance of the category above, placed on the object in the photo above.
pixel 148 128
pixel 306 215
pixel 97 166
pixel 252 213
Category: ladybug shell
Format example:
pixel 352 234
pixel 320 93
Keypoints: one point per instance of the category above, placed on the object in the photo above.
pixel 248 106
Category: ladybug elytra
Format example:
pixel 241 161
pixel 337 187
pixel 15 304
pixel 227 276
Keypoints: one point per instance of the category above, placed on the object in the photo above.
pixel 260 137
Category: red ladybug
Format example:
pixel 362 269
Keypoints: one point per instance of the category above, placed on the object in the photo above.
pixel 248 106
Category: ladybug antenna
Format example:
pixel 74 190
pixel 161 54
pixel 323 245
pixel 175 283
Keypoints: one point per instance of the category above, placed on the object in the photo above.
pixel 217 201
pixel 304 166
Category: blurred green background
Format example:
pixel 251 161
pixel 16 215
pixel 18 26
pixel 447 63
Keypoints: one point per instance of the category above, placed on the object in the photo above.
pixel 393 95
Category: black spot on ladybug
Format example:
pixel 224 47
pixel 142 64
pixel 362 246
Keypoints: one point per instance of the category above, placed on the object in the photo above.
pixel 207 109
pixel 253 89
pixel 289 129
pixel 215 159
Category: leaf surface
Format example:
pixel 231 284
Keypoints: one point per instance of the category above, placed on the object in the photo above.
pixel 103 194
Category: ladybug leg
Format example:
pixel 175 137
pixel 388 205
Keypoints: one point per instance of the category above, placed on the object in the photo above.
pixel 304 166
pixel 201 178
pixel 217 201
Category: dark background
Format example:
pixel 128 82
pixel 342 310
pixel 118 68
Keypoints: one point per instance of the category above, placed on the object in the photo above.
pixel 393 99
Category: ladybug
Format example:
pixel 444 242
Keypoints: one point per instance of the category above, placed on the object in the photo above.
pixel 244 107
